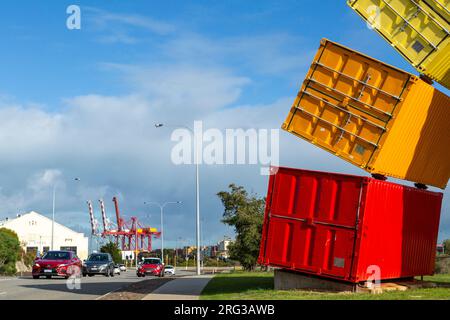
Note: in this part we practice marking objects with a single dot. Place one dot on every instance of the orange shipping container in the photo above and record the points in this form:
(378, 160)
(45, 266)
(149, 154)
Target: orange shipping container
(378, 117)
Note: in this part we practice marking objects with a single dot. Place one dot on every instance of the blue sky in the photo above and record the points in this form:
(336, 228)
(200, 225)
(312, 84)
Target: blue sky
(50, 61)
(83, 102)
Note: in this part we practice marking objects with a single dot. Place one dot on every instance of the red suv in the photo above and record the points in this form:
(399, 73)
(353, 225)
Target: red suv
(57, 263)
(151, 266)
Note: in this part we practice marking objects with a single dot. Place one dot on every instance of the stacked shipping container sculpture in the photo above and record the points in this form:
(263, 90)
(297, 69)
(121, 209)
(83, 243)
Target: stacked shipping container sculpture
(385, 121)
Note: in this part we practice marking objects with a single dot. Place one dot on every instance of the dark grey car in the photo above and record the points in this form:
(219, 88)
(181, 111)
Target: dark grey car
(99, 263)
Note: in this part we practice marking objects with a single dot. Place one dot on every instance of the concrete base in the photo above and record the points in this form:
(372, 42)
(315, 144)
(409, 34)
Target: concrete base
(289, 280)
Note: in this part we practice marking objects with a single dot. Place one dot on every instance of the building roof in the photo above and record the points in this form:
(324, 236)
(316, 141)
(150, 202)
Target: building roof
(5, 223)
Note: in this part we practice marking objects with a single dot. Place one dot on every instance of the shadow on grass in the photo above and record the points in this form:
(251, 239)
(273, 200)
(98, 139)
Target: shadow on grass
(438, 284)
(238, 283)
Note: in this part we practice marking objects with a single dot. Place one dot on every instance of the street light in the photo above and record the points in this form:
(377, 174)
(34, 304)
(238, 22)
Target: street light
(161, 207)
(53, 212)
(197, 191)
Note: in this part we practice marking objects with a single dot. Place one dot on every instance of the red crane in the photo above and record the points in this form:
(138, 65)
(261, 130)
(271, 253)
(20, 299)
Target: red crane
(130, 235)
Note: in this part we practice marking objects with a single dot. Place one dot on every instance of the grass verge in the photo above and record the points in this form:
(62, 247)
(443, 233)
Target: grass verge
(259, 286)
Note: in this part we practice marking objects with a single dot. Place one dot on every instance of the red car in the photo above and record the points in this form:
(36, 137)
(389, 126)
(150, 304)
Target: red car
(151, 266)
(57, 263)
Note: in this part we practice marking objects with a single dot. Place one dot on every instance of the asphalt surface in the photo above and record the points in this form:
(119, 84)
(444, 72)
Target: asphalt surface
(90, 288)
(186, 288)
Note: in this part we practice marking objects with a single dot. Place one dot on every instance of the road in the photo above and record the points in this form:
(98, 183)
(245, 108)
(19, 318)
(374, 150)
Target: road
(91, 288)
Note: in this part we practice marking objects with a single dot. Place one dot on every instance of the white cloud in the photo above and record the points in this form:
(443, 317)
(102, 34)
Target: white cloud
(44, 179)
(268, 54)
(186, 89)
(108, 20)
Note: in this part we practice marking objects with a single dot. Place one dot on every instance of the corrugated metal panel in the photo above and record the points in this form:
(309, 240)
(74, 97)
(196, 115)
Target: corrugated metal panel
(354, 106)
(338, 225)
(401, 223)
(417, 29)
(416, 147)
(312, 221)
(318, 249)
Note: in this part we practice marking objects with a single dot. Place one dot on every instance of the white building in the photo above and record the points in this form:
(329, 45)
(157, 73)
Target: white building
(35, 234)
(222, 248)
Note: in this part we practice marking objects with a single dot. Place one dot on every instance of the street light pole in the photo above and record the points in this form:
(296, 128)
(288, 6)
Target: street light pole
(53, 216)
(161, 207)
(53, 213)
(197, 183)
(197, 191)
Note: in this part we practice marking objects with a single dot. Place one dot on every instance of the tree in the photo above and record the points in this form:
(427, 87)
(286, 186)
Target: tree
(113, 250)
(245, 213)
(447, 246)
(9, 251)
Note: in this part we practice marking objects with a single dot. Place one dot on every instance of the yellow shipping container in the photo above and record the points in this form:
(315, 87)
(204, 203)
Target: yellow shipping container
(418, 29)
(378, 117)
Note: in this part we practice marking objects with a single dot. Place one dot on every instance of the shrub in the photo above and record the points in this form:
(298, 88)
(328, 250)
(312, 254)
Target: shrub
(10, 251)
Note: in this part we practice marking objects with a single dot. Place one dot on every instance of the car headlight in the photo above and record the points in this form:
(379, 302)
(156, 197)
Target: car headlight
(62, 265)
(37, 265)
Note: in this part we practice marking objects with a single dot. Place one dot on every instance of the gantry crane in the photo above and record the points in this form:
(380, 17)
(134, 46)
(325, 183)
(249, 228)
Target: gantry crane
(129, 235)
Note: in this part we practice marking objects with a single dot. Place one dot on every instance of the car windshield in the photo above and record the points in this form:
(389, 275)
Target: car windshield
(98, 257)
(56, 255)
(169, 267)
(152, 261)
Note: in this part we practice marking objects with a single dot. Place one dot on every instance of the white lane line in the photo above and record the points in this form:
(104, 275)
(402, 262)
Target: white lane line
(106, 294)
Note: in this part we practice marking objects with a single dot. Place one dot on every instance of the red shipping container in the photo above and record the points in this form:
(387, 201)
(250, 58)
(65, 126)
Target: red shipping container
(340, 226)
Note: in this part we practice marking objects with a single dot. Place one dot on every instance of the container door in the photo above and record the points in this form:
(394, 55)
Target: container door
(418, 29)
(312, 222)
(346, 102)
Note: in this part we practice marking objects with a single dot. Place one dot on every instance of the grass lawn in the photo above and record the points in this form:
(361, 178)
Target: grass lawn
(259, 286)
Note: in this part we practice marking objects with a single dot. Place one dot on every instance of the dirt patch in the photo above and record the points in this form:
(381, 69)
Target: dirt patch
(138, 290)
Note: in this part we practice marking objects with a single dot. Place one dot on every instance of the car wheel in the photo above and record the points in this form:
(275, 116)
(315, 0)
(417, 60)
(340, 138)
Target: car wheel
(107, 273)
(66, 277)
(84, 274)
(90, 275)
(35, 277)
